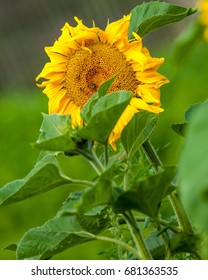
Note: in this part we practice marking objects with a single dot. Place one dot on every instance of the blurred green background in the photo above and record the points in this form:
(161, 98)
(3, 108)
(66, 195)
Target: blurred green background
(26, 27)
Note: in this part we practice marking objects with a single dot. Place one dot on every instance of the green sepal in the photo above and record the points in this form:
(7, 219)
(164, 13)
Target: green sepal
(137, 131)
(101, 122)
(153, 15)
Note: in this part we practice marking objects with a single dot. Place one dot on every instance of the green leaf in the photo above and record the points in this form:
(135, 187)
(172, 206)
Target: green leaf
(138, 130)
(100, 194)
(178, 243)
(64, 143)
(62, 232)
(53, 237)
(54, 126)
(86, 111)
(46, 175)
(194, 168)
(153, 15)
(56, 134)
(11, 247)
(104, 117)
(179, 128)
(191, 111)
(146, 196)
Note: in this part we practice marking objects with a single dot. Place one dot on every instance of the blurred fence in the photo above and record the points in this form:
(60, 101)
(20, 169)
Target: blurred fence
(26, 26)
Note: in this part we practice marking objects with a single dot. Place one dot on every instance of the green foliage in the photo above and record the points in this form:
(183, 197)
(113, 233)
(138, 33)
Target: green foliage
(138, 130)
(45, 176)
(106, 106)
(115, 191)
(153, 15)
(62, 232)
(181, 128)
(101, 194)
(53, 237)
(86, 112)
(194, 167)
(56, 134)
(128, 199)
(146, 195)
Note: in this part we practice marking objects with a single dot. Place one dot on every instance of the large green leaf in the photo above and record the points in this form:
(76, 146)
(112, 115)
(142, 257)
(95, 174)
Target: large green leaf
(153, 15)
(194, 167)
(138, 131)
(54, 125)
(105, 114)
(46, 175)
(100, 194)
(56, 134)
(53, 237)
(62, 232)
(146, 196)
(63, 143)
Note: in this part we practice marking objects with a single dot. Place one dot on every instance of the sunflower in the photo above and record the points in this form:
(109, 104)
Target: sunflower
(203, 7)
(83, 58)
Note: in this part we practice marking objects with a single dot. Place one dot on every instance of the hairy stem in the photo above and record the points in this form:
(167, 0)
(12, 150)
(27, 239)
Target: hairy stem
(137, 236)
(120, 243)
(93, 160)
(83, 183)
(106, 153)
(183, 221)
(173, 197)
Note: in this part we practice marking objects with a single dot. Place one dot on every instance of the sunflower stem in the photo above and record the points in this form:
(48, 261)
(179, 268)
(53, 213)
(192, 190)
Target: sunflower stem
(120, 243)
(106, 153)
(183, 219)
(165, 238)
(92, 158)
(142, 249)
(83, 183)
(96, 164)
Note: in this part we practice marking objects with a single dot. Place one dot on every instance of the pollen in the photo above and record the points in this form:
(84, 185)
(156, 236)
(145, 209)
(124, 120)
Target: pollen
(88, 68)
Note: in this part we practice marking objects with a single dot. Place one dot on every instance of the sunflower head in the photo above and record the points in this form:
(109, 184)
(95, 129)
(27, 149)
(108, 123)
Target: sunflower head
(83, 58)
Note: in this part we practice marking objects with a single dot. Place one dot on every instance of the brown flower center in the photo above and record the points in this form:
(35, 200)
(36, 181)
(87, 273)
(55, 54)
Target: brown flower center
(88, 68)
